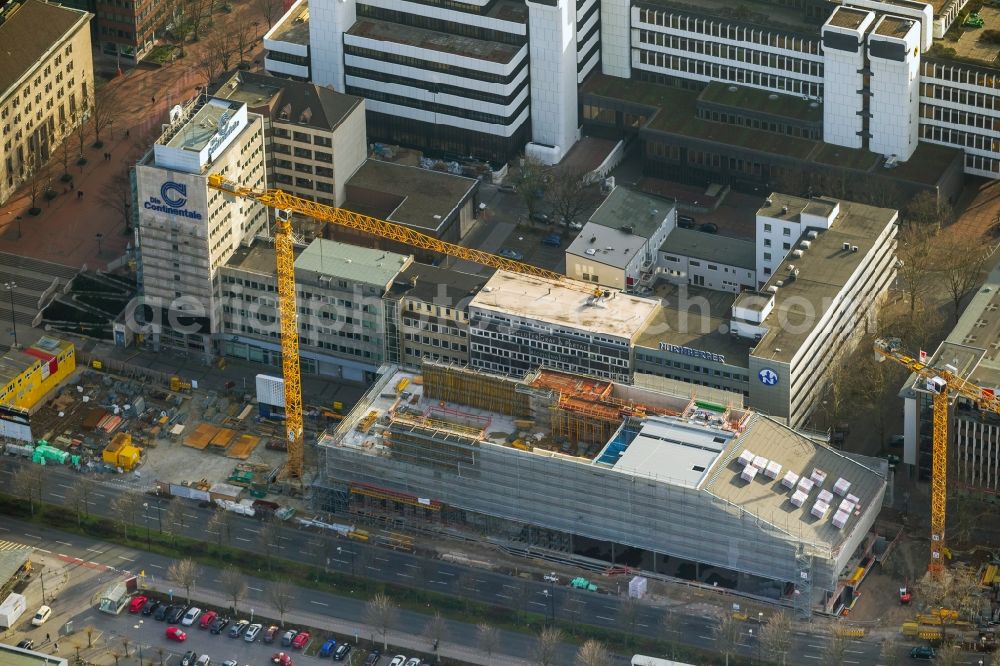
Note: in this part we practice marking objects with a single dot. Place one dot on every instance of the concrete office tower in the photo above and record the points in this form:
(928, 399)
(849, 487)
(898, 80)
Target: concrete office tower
(553, 54)
(844, 121)
(894, 59)
(328, 21)
(616, 38)
(186, 231)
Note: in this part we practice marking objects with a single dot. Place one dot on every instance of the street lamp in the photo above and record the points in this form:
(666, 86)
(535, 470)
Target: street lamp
(145, 516)
(9, 286)
(750, 643)
(99, 238)
(548, 594)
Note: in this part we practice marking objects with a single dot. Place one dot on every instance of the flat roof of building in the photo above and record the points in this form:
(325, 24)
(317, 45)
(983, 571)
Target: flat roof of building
(293, 26)
(606, 245)
(15, 656)
(16, 361)
(698, 318)
(893, 26)
(27, 35)
(566, 303)
(673, 449)
(762, 101)
(352, 263)
(289, 101)
(625, 207)
(769, 500)
(258, 257)
(13, 556)
(711, 247)
(203, 126)
(432, 40)
(824, 270)
(848, 17)
(757, 12)
(432, 284)
(419, 198)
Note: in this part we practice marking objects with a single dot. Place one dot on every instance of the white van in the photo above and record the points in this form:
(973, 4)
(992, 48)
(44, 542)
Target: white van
(43, 614)
(191, 616)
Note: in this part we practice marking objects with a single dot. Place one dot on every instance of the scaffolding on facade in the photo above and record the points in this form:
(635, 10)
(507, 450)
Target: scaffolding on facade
(466, 386)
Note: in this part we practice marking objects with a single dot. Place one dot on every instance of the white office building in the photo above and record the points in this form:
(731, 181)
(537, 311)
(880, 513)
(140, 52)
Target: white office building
(186, 232)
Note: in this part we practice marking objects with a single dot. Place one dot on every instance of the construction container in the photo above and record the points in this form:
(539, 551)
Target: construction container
(120, 452)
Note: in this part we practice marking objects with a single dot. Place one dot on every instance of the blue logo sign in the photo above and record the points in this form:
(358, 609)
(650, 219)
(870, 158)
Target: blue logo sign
(173, 197)
(170, 199)
(768, 377)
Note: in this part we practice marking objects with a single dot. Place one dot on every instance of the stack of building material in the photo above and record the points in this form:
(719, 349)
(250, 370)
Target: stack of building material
(201, 436)
(748, 473)
(841, 487)
(799, 498)
(791, 478)
(819, 509)
(773, 469)
(243, 447)
(223, 438)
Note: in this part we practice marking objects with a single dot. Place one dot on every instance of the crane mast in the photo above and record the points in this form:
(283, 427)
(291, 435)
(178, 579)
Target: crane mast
(286, 204)
(941, 384)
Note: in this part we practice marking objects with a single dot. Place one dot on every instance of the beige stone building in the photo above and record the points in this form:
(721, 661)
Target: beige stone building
(46, 76)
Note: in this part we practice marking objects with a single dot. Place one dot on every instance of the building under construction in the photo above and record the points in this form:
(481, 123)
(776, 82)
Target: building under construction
(562, 465)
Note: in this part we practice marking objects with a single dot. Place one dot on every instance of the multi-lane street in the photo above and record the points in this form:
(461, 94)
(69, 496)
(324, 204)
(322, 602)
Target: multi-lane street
(349, 557)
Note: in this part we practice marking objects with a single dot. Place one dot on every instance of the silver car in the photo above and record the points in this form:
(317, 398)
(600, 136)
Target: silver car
(252, 632)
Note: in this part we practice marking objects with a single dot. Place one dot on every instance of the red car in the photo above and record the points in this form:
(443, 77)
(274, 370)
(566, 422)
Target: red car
(207, 618)
(176, 634)
(301, 640)
(137, 603)
(281, 658)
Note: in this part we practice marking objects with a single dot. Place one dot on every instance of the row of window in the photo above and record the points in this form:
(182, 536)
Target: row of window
(736, 33)
(433, 66)
(959, 96)
(434, 328)
(957, 117)
(478, 116)
(778, 127)
(440, 25)
(959, 138)
(442, 88)
(739, 54)
(541, 358)
(434, 342)
(969, 77)
(717, 72)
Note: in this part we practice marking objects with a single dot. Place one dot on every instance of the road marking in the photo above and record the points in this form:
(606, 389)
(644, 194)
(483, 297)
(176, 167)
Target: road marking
(96, 564)
(638, 623)
(42, 550)
(62, 497)
(190, 515)
(439, 582)
(403, 575)
(63, 485)
(854, 651)
(95, 550)
(509, 587)
(156, 566)
(216, 580)
(848, 661)
(127, 559)
(284, 538)
(250, 530)
(810, 656)
(504, 596)
(381, 559)
(707, 638)
(255, 589)
(32, 536)
(606, 619)
(334, 559)
(319, 603)
(371, 568)
(64, 543)
(537, 603)
(817, 647)
(446, 573)
(411, 566)
(4, 529)
(99, 494)
(242, 539)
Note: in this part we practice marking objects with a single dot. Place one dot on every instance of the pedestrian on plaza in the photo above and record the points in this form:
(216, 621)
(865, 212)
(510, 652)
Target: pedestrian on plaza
(55, 647)
(79, 194)
(126, 133)
(153, 98)
(47, 638)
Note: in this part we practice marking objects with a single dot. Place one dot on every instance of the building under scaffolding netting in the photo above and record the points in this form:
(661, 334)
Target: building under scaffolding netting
(563, 465)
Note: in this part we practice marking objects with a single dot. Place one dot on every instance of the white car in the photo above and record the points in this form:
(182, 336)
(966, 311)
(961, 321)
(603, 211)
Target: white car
(252, 632)
(203, 660)
(413, 661)
(398, 660)
(43, 614)
(191, 616)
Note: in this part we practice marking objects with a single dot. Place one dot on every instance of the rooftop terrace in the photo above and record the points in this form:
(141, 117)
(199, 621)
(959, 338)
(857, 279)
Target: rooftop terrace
(847, 17)
(201, 128)
(294, 27)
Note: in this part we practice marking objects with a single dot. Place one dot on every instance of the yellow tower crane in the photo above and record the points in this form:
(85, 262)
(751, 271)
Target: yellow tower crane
(942, 384)
(285, 260)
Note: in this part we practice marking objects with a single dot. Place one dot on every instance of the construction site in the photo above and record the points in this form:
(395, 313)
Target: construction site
(571, 468)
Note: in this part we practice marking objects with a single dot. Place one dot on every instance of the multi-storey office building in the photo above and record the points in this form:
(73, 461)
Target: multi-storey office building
(128, 30)
(345, 328)
(286, 44)
(315, 136)
(777, 345)
(187, 232)
(46, 81)
(520, 322)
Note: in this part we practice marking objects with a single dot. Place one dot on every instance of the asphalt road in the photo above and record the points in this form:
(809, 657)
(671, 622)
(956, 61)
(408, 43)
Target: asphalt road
(372, 562)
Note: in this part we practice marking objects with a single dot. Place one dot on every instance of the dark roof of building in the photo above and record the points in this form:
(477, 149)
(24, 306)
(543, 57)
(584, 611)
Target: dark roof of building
(285, 100)
(432, 284)
(30, 31)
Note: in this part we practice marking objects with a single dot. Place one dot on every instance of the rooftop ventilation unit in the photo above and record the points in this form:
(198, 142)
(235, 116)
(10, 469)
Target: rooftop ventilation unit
(772, 289)
(796, 253)
(842, 486)
(847, 247)
(768, 202)
(784, 210)
(854, 248)
(790, 479)
(818, 476)
(805, 245)
(748, 473)
(813, 234)
(819, 509)
(840, 519)
(825, 496)
(799, 498)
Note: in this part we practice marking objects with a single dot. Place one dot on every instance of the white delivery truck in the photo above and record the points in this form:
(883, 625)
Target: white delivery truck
(11, 609)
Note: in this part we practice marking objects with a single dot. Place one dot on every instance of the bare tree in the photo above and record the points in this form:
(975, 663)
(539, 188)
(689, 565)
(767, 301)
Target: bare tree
(210, 67)
(593, 653)
(835, 650)
(281, 594)
(106, 107)
(126, 508)
(381, 612)
(36, 173)
(234, 584)
(727, 635)
(532, 183)
(568, 194)
(270, 10)
(547, 646)
(81, 118)
(78, 498)
(913, 249)
(925, 209)
(174, 520)
(948, 656)
(185, 574)
(196, 11)
(995, 661)
(28, 483)
(628, 615)
(268, 536)
(116, 195)
(125, 643)
(960, 261)
(436, 630)
(776, 636)
(65, 146)
(221, 523)
(488, 639)
(222, 47)
(243, 38)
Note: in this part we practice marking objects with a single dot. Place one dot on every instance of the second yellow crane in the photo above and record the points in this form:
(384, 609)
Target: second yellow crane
(941, 384)
(285, 260)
